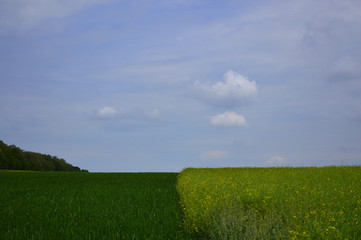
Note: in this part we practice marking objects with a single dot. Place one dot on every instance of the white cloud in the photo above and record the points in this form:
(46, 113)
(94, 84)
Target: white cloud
(235, 84)
(213, 154)
(234, 90)
(106, 112)
(229, 119)
(276, 161)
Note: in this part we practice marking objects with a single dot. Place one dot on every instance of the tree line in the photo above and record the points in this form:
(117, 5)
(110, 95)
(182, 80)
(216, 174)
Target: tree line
(14, 158)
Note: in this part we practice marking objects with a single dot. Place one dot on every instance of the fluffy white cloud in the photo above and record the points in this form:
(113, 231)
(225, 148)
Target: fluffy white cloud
(234, 84)
(234, 90)
(276, 161)
(228, 119)
(106, 112)
(213, 154)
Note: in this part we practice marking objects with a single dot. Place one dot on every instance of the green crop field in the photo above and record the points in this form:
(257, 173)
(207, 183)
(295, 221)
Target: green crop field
(272, 203)
(228, 203)
(53, 205)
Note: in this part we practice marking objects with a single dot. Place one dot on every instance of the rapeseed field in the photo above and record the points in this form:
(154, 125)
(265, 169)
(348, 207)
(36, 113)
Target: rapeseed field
(272, 203)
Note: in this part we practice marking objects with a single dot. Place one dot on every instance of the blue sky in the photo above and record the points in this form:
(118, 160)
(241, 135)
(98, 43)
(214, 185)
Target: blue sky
(164, 85)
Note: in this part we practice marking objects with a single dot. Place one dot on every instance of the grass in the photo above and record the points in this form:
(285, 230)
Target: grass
(272, 203)
(51, 205)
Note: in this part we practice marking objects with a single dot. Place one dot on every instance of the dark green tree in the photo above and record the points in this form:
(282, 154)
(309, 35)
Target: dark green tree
(14, 158)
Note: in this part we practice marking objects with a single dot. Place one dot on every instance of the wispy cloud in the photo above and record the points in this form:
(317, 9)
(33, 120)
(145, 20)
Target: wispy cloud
(133, 114)
(345, 69)
(22, 15)
(235, 90)
(155, 113)
(106, 112)
(229, 119)
(213, 155)
(276, 161)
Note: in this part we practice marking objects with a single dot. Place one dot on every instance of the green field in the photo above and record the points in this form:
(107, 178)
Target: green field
(229, 203)
(272, 203)
(53, 205)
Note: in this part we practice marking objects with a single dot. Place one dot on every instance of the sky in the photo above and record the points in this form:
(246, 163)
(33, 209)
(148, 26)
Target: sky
(162, 85)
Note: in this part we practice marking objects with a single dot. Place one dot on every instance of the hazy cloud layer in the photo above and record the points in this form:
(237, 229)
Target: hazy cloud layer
(145, 86)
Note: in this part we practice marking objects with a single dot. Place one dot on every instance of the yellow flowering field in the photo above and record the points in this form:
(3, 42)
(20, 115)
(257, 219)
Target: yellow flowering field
(272, 203)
